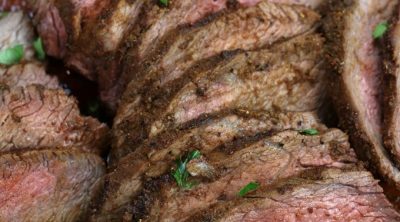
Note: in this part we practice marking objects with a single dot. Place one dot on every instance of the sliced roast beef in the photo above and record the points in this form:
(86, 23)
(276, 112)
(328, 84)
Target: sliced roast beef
(224, 173)
(48, 185)
(26, 74)
(16, 29)
(286, 77)
(143, 38)
(323, 195)
(392, 96)
(224, 132)
(34, 117)
(244, 28)
(357, 88)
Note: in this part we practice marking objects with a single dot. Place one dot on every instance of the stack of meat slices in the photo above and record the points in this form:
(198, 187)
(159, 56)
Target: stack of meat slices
(49, 154)
(241, 89)
(112, 42)
(218, 118)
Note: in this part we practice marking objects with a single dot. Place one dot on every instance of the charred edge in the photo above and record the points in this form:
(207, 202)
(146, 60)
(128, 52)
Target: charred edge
(333, 31)
(114, 61)
(389, 65)
(239, 143)
(140, 207)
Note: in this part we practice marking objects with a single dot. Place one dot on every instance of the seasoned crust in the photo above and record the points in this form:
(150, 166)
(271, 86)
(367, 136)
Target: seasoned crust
(245, 80)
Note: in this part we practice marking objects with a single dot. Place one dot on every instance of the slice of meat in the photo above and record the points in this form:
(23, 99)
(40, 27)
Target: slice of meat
(392, 97)
(286, 77)
(26, 74)
(267, 161)
(188, 12)
(357, 90)
(263, 25)
(327, 195)
(33, 117)
(16, 29)
(48, 185)
(160, 21)
(156, 156)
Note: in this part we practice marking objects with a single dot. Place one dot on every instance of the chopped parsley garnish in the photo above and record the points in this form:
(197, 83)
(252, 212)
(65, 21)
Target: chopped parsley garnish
(11, 56)
(38, 46)
(380, 30)
(248, 188)
(309, 132)
(181, 174)
(164, 2)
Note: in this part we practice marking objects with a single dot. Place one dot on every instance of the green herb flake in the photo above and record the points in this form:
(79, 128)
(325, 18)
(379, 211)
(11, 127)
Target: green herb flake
(164, 2)
(180, 174)
(380, 30)
(248, 188)
(38, 46)
(309, 132)
(11, 56)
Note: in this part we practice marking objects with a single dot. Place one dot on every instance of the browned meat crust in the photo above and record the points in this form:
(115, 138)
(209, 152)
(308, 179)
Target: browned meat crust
(246, 80)
(392, 96)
